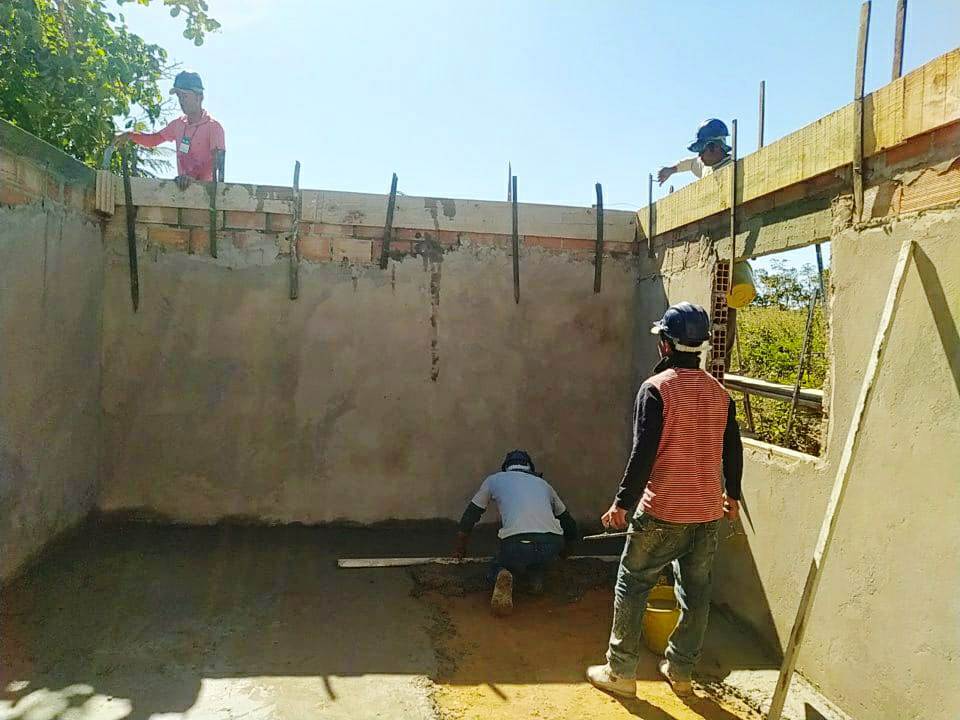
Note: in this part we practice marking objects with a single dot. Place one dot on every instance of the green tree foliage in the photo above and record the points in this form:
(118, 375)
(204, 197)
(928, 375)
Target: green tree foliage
(770, 340)
(786, 287)
(68, 67)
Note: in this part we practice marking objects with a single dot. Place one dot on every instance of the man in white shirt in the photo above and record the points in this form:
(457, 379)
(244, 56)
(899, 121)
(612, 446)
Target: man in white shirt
(536, 526)
(711, 148)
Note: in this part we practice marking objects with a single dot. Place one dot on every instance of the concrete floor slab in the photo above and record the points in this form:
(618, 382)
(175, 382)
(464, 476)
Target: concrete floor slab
(149, 622)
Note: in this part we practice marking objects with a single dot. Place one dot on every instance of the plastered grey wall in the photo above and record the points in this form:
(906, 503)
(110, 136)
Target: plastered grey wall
(51, 287)
(377, 394)
(883, 639)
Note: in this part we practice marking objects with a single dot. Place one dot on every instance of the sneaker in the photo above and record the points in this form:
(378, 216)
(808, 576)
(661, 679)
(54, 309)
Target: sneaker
(601, 676)
(683, 688)
(501, 602)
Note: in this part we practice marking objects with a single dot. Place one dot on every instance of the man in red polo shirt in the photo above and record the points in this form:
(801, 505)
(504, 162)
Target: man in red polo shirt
(683, 476)
(198, 136)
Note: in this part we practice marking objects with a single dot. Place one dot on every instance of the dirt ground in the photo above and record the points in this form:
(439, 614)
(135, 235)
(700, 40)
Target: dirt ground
(531, 664)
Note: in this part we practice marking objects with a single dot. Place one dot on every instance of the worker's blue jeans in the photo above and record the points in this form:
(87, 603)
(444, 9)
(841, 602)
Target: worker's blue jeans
(654, 544)
(526, 556)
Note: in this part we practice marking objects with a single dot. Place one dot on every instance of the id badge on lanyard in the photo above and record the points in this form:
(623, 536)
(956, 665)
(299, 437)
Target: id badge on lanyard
(184, 146)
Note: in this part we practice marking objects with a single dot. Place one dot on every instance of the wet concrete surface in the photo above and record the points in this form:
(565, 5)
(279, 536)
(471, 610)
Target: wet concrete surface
(155, 622)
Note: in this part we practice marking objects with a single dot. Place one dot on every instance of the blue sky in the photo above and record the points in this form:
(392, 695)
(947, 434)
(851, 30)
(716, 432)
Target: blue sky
(572, 93)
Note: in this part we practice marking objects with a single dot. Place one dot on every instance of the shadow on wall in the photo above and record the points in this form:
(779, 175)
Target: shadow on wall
(148, 615)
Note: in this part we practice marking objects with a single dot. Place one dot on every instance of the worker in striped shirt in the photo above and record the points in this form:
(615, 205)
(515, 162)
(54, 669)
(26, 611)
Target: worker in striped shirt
(683, 476)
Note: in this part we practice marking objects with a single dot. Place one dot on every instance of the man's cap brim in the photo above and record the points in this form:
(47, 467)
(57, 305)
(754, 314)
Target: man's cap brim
(175, 90)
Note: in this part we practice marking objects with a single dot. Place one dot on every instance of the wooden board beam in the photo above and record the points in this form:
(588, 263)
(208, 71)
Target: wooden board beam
(361, 563)
(918, 102)
(806, 397)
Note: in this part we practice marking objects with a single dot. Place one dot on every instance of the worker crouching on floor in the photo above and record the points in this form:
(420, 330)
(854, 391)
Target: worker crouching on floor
(536, 527)
(686, 450)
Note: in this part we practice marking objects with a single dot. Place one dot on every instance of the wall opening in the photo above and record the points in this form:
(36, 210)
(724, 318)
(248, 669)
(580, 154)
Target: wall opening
(777, 341)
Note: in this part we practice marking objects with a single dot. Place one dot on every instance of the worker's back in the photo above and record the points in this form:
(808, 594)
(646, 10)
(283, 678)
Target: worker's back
(685, 483)
(527, 503)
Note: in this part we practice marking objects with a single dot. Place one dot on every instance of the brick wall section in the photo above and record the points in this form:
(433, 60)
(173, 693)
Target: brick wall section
(187, 230)
(24, 181)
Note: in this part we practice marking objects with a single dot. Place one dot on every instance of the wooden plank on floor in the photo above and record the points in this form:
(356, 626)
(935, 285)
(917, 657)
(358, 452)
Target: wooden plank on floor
(357, 563)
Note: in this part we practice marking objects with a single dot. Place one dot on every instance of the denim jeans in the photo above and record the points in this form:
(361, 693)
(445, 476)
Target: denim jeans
(526, 556)
(654, 544)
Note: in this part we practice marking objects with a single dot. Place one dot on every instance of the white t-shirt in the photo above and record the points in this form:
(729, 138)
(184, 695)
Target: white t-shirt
(526, 502)
(697, 166)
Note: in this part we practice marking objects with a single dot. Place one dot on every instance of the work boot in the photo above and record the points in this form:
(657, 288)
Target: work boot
(501, 602)
(683, 688)
(602, 677)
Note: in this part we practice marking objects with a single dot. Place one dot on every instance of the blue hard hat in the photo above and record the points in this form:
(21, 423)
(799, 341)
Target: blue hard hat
(686, 324)
(519, 460)
(712, 130)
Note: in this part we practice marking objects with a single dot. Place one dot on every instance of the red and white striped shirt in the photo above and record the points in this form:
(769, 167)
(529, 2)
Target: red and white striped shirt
(686, 480)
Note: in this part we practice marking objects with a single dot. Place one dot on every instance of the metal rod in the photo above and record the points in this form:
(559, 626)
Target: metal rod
(857, 161)
(131, 232)
(733, 197)
(828, 526)
(516, 241)
(747, 409)
(606, 535)
(509, 181)
(763, 112)
(823, 290)
(598, 258)
(900, 30)
(388, 224)
(295, 235)
(803, 361)
(650, 251)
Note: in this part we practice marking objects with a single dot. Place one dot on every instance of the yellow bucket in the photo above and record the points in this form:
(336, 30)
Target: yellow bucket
(743, 289)
(660, 618)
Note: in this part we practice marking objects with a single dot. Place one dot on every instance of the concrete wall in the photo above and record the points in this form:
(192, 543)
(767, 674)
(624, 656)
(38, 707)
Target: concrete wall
(377, 394)
(51, 282)
(883, 639)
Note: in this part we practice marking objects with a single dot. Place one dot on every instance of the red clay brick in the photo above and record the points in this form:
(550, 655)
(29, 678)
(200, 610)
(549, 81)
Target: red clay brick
(153, 214)
(326, 230)
(570, 245)
(29, 177)
(370, 232)
(550, 243)
(619, 247)
(279, 223)
(401, 246)
(13, 196)
(243, 220)
(354, 249)
(910, 150)
(193, 217)
(199, 241)
(447, 238)
(408, 234)
(8, 167)
(948, 136)
(486, 239)
(53, 188)
(315, 248)
(178, 238)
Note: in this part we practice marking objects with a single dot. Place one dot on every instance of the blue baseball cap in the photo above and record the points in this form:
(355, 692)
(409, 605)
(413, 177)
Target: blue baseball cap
(686, 325)
(189, 81)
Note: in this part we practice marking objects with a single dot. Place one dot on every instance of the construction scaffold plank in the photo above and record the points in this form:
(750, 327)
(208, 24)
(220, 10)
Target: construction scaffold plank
(918, 102)
(360, 563)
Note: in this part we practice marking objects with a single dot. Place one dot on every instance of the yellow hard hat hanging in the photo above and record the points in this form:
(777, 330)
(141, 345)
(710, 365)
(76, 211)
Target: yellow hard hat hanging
(742, 287)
